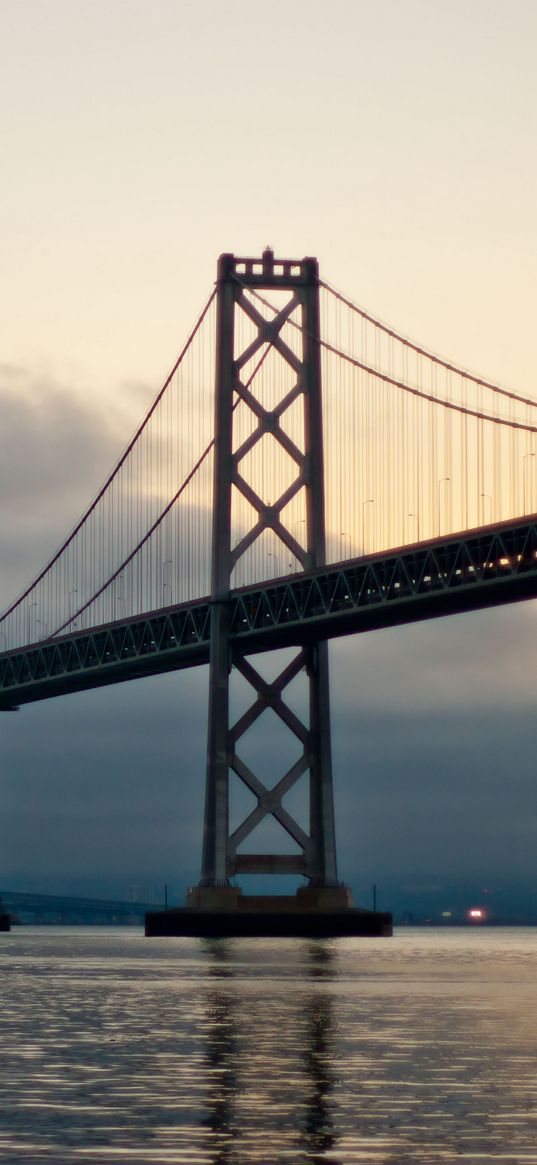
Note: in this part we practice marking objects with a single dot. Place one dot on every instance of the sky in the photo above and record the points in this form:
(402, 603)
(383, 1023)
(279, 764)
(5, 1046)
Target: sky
(396, 142)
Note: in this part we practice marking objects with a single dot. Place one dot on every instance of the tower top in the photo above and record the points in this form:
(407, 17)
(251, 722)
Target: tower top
(268, 271)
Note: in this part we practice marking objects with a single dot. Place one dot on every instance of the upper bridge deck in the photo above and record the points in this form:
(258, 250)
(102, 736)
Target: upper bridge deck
(479, 568)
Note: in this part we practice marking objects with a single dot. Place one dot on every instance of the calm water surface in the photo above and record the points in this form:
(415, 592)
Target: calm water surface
(116, 1048)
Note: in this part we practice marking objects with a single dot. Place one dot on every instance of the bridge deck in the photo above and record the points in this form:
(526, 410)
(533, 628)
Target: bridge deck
(460, 572)
(32, 908)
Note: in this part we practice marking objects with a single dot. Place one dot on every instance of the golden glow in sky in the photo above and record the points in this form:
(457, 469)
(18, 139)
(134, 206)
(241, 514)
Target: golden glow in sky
(395, 141)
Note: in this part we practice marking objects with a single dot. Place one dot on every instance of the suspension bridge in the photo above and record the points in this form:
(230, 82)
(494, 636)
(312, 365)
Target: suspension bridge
(305, 472)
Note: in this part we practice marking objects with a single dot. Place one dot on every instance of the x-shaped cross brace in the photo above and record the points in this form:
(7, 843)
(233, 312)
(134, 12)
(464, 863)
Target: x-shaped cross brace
(269, 801)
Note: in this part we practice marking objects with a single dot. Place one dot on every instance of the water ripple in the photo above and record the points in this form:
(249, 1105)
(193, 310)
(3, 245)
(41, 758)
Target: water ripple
(415, 1051)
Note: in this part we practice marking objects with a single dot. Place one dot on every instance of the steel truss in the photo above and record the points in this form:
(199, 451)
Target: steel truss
(461, 572)
(317, 850)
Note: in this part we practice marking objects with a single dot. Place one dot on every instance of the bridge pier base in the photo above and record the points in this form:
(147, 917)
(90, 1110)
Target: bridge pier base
(314, 912)
(225, 912)
(306, 898)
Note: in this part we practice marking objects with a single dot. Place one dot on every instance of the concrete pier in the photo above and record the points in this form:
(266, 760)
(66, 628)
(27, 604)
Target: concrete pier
(224, 912)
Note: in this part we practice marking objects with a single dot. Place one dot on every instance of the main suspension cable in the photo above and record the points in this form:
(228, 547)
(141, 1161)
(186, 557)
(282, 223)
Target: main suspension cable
(375, 372)
(108, 482)
(158, 521)
(531, 402)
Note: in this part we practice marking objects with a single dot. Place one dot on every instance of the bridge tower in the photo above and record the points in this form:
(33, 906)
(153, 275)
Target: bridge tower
(297, 305)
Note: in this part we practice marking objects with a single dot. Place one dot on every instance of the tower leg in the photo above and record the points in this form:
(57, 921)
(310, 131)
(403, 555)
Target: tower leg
(214, 870)
(322, 828)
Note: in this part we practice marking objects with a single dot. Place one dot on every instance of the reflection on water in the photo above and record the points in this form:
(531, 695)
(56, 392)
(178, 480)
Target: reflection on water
(421, 1049)
(232, 1068)
(319, 1060)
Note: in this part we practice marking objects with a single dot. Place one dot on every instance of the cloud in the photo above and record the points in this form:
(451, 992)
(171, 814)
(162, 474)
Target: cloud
(109, 782)
(432, 724)
(51, 439)
(436, 793)
(55, 450)
(475, 660)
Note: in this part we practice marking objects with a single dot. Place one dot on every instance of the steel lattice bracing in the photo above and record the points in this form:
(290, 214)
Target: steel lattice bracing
(415, 450)
(481, 568)
(295, 376)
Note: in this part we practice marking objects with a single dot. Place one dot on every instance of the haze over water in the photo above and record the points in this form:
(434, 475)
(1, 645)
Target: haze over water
(117, 1048)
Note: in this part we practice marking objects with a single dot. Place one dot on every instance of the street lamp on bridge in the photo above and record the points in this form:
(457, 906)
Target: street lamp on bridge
(488, 497)
(168, 562)
(42, 623)
(417, 517)
(72, 604)
(275, 557)
(31, 606)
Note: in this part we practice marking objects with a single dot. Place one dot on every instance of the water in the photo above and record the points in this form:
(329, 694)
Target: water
(116, 1048)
